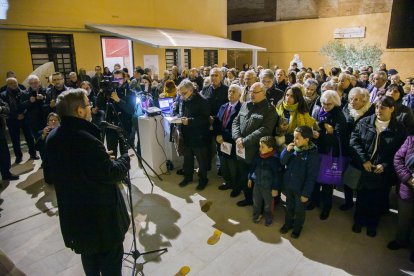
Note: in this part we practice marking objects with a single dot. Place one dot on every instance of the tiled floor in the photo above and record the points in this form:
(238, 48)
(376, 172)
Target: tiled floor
(171, 217)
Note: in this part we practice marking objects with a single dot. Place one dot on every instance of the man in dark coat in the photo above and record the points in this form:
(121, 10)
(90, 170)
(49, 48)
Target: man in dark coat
(35, 96)
(53, 92)
(17, 119)
(256, 118)
(216, 95)
(222, 131)
(4, 149)
(92, 213)
(195, 113)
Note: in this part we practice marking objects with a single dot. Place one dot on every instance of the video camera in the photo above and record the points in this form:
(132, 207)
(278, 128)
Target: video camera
(108, 86)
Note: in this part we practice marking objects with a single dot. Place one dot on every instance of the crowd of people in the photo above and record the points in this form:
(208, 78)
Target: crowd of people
(298, 132)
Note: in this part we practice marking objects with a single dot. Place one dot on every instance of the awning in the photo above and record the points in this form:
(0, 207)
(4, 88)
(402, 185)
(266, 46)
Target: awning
(171, 38)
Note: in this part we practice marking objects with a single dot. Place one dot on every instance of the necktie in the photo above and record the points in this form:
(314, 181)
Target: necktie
(226, 116)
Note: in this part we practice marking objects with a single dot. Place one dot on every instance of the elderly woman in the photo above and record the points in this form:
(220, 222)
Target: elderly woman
(310, 94)
(332, 124)
(373, 143)
(403, 114)
(222, 130)
(230, 76)
(273, 94)
(358, 107)
(293, 112)
(404, 166)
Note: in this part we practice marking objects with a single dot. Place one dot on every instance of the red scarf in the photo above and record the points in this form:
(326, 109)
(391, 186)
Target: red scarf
(267, 155)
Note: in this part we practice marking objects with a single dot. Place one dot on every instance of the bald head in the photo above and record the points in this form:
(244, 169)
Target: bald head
(257, 92)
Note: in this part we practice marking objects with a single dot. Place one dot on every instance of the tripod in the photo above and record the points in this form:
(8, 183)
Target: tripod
(135, 252)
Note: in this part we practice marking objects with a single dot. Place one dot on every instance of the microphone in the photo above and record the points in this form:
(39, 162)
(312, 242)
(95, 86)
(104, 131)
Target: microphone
(105, 124)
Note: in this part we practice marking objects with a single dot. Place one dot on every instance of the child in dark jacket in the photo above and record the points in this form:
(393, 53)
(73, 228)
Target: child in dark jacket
(266, 173)
(302, 166)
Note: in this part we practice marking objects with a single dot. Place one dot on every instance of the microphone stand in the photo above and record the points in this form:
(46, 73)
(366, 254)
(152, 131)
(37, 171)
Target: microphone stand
(135, 252)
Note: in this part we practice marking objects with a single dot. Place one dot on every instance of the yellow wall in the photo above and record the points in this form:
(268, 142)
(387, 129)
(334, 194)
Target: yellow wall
(207, 16)
(306, 37)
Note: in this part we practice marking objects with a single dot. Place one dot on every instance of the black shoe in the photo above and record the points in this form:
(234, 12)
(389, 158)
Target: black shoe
(11, 177)
(296, 233)
(224, 187)
(371, 232)
(394, 245)
(356, 228)
(310, 206)
(412, 256)
(285, 228)
(34, 157)
(244, 203)
(201, 185)
(268, 221)
(185, 182)
(235, 193)
(346, 207)
(324, 215)
(18, 160)
(180, 172)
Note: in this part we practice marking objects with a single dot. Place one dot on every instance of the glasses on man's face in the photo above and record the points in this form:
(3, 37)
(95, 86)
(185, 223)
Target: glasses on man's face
(255, 92)
(59, 79)
(53, 120)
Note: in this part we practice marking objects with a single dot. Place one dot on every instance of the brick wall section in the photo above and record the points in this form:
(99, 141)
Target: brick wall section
(242, 11)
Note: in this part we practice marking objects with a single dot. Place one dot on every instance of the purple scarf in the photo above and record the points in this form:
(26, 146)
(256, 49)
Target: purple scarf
(323, 115)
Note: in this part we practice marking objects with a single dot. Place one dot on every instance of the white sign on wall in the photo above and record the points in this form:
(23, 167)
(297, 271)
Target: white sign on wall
(151, 61)
(352, 32)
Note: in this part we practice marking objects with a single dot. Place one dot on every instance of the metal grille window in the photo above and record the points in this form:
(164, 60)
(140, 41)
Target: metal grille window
(53, 47)
(171, 58)
(210, 57)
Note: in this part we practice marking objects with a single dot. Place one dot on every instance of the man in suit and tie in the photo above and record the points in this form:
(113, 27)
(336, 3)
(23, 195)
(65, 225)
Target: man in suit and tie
(378, 87)
(222, 131)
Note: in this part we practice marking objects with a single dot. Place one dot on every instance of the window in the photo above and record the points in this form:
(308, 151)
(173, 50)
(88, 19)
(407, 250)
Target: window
(171, 58)
(57, 48)
(210, 57)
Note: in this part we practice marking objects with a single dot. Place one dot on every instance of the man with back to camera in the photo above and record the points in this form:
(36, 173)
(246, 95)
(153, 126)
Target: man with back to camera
(92, 213)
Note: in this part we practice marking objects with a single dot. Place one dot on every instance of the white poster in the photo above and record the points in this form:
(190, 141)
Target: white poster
(151, 61)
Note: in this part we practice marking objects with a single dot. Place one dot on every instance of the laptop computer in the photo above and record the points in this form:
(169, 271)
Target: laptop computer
(166, 105)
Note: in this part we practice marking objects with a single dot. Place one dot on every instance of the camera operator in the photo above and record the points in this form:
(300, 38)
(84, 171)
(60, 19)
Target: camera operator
(36, 96)
(118, 102)
(92, 212)
(58, 86)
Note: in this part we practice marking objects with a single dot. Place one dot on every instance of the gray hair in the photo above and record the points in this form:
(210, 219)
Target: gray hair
(217, 70)
(236, 87)
(67, 103)
(333, 95)
(329, 85)
(251, 72)
(381, 74)
(359, 91)
(187, 84)
(33, 77)
(72, 74)
(267, 73)
(310, 82)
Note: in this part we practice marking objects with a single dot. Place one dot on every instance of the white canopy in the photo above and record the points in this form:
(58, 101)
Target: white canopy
(175, 39)
(171, 38)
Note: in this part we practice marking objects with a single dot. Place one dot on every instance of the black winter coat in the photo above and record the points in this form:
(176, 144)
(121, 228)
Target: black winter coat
(92, 213)
(326, 142)
(362, 146)
(197, 110)
(216, 97)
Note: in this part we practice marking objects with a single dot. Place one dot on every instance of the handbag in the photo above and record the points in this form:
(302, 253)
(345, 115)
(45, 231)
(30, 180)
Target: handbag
(351, 177)
(331, 168)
